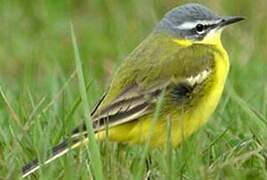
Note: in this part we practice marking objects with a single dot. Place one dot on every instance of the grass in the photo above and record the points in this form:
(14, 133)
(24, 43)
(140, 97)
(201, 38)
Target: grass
(40, 93)
(93, 146)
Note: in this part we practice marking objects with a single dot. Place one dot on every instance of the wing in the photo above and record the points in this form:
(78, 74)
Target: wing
(131, 104)
(158, 63)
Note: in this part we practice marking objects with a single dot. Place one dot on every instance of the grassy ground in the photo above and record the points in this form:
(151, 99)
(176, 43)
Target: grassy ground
(39, 89)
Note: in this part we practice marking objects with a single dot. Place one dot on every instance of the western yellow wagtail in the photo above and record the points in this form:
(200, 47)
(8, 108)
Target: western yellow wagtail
(184, 62)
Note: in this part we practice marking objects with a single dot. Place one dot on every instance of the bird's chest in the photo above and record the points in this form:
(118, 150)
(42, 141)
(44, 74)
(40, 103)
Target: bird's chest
(204, 102)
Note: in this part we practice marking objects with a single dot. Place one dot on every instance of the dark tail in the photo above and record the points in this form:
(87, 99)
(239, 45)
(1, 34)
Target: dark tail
(79, 136)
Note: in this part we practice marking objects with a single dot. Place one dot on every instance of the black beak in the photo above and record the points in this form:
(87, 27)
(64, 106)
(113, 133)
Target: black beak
(230, 20)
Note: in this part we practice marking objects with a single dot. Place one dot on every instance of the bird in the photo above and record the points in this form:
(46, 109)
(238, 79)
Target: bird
(181, 65)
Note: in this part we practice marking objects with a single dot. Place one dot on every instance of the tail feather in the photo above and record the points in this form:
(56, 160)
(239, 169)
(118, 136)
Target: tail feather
(79, 136)
(57, 152)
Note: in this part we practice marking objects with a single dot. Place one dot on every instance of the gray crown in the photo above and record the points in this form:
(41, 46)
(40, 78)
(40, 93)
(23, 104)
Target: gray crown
(185, 13)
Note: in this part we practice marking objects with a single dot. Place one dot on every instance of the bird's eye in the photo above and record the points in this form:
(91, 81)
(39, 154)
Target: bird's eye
(199, 28)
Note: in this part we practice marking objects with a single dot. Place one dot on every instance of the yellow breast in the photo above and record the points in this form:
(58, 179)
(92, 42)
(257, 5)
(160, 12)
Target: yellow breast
(201, 113)
(183, 125)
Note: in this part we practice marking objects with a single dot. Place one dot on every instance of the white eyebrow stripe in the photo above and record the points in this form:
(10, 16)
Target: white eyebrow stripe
(191, 25)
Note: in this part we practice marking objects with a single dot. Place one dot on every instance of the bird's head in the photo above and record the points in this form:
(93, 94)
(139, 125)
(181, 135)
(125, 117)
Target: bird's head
(194, 23)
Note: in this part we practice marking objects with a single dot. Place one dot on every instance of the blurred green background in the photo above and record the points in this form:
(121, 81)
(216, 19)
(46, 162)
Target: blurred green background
(39, 88)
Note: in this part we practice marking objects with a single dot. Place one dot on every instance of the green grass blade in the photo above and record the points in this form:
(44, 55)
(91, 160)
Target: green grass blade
(93, 146)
